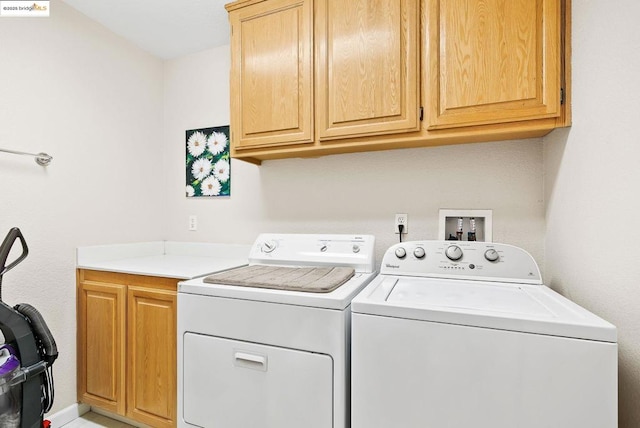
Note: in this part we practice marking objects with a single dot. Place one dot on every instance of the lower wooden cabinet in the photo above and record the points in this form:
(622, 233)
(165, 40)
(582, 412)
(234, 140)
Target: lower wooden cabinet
(101, 345)
(127, 345)
(151, 362)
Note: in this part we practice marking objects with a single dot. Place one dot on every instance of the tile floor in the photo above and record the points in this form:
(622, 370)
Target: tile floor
(94, 420)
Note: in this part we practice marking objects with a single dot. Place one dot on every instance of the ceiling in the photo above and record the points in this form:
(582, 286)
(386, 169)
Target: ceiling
(165, 28)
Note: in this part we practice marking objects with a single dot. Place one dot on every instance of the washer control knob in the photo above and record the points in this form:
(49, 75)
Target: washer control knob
(419, 253)
(491, 255)
(401, 253)
(453, 252)
(268, 246)
(324, 248)
(356, 248)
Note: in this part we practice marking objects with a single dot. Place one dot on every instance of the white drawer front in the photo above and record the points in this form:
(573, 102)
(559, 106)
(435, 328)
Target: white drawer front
(235, 384)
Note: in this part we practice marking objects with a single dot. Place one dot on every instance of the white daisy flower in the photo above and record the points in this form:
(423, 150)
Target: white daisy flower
(217, 142)
(190, 191)
(210, 186)
(221, 170)
(201, 168)
(197, 143)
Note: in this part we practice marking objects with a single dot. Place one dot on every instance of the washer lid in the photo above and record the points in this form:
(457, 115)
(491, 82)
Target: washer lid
(456, 295)
(515, 307)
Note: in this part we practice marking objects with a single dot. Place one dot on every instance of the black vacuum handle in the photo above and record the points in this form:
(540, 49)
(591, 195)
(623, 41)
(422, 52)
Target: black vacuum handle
(5, 249)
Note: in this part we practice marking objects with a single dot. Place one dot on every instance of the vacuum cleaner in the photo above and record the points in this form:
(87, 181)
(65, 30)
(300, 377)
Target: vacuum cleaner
(26, 357)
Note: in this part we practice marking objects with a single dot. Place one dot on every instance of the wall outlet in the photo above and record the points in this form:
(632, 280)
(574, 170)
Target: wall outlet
(193, 222)
(401, 219)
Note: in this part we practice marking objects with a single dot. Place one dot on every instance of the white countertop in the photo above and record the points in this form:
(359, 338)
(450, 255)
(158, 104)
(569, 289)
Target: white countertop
(182, 260)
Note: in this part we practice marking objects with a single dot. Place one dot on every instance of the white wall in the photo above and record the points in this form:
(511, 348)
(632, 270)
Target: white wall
(592, 184)
(355, 193)
(73, 89)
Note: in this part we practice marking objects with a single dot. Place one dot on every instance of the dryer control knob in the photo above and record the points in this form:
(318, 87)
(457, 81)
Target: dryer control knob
(268, 246)
(453, 252)
(401, 253)
(419, 253)
(491, 255)
(356, 248)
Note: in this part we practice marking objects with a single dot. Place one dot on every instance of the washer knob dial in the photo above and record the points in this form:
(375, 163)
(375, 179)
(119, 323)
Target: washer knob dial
(419, 253)
(401, 253)
(268, 246)
(453, 252)
(356, 248)
(491, 255)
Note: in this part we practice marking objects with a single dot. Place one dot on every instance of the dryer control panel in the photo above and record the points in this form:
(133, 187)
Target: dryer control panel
(486, 261)
(356, 251)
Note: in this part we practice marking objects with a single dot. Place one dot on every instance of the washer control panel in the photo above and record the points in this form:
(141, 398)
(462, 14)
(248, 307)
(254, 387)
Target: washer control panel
(485, 261)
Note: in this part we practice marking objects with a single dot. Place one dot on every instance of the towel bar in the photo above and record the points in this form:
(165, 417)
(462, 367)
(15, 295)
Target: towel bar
(41, 158)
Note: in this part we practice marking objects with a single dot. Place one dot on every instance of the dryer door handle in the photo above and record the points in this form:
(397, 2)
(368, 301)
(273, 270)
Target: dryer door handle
(251, 361)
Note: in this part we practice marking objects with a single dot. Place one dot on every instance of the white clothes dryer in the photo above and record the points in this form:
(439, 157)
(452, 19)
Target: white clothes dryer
(464, 334)
(250, 355)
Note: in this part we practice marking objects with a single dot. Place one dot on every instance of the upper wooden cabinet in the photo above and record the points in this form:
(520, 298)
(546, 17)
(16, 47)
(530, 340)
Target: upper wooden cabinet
(367, 67)
(271, 74)
(317, 77)
(493, 61)
(367, 74)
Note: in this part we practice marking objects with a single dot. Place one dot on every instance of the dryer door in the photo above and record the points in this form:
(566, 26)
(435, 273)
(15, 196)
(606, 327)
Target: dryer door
(235, 384)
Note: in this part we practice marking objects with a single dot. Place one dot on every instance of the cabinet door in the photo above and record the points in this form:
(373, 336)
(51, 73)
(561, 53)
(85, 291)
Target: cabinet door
(367, 67)
(152, 342)
(492, 61)
(271, 74)
(101, 345)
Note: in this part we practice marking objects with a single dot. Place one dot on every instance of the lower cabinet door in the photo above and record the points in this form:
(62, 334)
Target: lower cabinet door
(101, 345)
(235, 384)
(152, 347)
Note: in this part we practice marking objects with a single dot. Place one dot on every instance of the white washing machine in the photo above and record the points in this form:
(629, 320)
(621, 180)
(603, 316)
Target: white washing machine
(464, 334)
(258, 357)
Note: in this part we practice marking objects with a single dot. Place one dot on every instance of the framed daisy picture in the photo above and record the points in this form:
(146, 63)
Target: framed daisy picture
(208, 162)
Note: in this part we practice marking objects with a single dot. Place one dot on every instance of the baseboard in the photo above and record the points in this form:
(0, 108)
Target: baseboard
(117, 418)
(67, 415)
